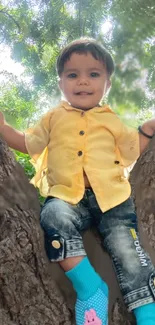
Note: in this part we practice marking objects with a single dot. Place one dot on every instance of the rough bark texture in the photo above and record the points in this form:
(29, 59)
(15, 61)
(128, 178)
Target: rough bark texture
(34, 291)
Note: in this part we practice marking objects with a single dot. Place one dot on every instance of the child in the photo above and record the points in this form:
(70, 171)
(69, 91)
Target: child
(80, 150)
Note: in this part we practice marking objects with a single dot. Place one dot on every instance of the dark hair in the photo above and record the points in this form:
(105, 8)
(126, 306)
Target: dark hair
(85, 45)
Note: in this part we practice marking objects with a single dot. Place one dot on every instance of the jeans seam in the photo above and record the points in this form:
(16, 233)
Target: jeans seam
(138, 303)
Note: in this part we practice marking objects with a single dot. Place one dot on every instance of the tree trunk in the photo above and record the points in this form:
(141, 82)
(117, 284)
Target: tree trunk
(34, 291)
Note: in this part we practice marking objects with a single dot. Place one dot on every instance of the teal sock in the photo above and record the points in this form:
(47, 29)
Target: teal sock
(145, 315)
(85, 280)
(92, 295)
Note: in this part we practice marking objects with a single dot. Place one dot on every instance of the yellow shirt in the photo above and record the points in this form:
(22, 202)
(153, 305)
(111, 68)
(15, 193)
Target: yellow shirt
(68, 141)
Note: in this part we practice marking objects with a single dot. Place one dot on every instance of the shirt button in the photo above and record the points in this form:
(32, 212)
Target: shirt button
(82, 113)
(80, 153)
(81, 132)
(55, 244)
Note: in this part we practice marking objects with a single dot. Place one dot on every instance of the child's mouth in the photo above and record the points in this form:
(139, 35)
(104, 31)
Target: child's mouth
(83, 93)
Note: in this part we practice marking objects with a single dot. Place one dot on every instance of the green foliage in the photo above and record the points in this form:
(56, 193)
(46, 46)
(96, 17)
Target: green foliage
(18, 105)
(24, 160)
(36, 30)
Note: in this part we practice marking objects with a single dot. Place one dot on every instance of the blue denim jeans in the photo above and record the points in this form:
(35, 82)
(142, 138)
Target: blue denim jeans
(64, 223)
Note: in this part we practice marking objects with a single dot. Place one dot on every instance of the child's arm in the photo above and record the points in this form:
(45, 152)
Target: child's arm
(146, 132)
(14, 138)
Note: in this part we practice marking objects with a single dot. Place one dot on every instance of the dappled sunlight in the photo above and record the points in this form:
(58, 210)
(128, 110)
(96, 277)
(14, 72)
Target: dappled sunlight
(33, 32)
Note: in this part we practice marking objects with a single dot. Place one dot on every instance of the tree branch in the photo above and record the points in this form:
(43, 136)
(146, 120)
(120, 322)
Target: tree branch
(11, 17)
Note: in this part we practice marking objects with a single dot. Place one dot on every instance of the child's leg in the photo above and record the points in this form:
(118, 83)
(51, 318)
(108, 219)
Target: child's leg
(92, 292)
(62, 224)
(134, 269)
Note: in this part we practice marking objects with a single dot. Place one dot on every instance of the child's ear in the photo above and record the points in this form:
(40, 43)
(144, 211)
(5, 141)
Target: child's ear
(108, 84)
(60, 84)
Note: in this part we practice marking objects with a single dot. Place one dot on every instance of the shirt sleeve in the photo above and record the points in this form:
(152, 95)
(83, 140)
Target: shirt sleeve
(37, 137)
(127, 142)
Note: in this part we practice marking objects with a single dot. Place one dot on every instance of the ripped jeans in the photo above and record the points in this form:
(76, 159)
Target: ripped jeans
(63, 224)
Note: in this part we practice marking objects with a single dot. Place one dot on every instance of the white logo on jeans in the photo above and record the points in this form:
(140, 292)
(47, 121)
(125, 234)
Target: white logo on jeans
(138, 248)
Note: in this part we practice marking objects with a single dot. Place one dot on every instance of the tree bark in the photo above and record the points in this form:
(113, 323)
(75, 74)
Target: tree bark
(34, 291)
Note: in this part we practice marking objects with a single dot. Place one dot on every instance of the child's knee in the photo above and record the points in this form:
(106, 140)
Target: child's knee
(56, 214)
(61, 236)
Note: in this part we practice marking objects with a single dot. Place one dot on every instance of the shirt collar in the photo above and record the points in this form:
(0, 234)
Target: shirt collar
(98, 109)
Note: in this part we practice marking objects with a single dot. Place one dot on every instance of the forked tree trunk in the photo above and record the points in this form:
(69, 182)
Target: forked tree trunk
(32, 290)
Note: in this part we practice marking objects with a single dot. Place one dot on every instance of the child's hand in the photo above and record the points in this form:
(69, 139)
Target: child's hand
(2, 120)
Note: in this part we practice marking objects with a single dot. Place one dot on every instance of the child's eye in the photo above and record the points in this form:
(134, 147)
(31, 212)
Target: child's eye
(95, 74)
(72, 75)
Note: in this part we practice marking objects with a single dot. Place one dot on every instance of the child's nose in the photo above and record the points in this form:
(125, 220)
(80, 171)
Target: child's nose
(83, 81)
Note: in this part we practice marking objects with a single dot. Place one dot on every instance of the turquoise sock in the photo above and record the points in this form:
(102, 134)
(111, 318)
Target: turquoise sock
(92, 294)
(145, 315)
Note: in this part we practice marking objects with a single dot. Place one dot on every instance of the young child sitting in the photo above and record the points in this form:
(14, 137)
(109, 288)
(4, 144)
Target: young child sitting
(80, 150)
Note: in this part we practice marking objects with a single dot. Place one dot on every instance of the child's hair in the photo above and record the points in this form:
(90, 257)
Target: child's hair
(85, 45)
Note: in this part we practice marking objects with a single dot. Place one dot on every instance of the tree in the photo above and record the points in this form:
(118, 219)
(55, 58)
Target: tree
(33, 291)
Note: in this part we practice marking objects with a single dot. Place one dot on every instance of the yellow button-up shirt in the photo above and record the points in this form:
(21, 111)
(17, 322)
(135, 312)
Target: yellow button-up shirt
(68, 141)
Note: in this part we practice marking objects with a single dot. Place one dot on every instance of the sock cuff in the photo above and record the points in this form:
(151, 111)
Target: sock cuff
(145, 314)
(84, 278)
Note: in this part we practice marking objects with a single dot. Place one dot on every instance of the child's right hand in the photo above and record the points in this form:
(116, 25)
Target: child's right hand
(2, 120)
(14, 138)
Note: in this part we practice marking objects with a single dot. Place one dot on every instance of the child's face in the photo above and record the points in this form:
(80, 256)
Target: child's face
(84, 81)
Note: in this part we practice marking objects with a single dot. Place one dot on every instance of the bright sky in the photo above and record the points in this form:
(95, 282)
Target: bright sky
(107, 27)
(7, 64)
